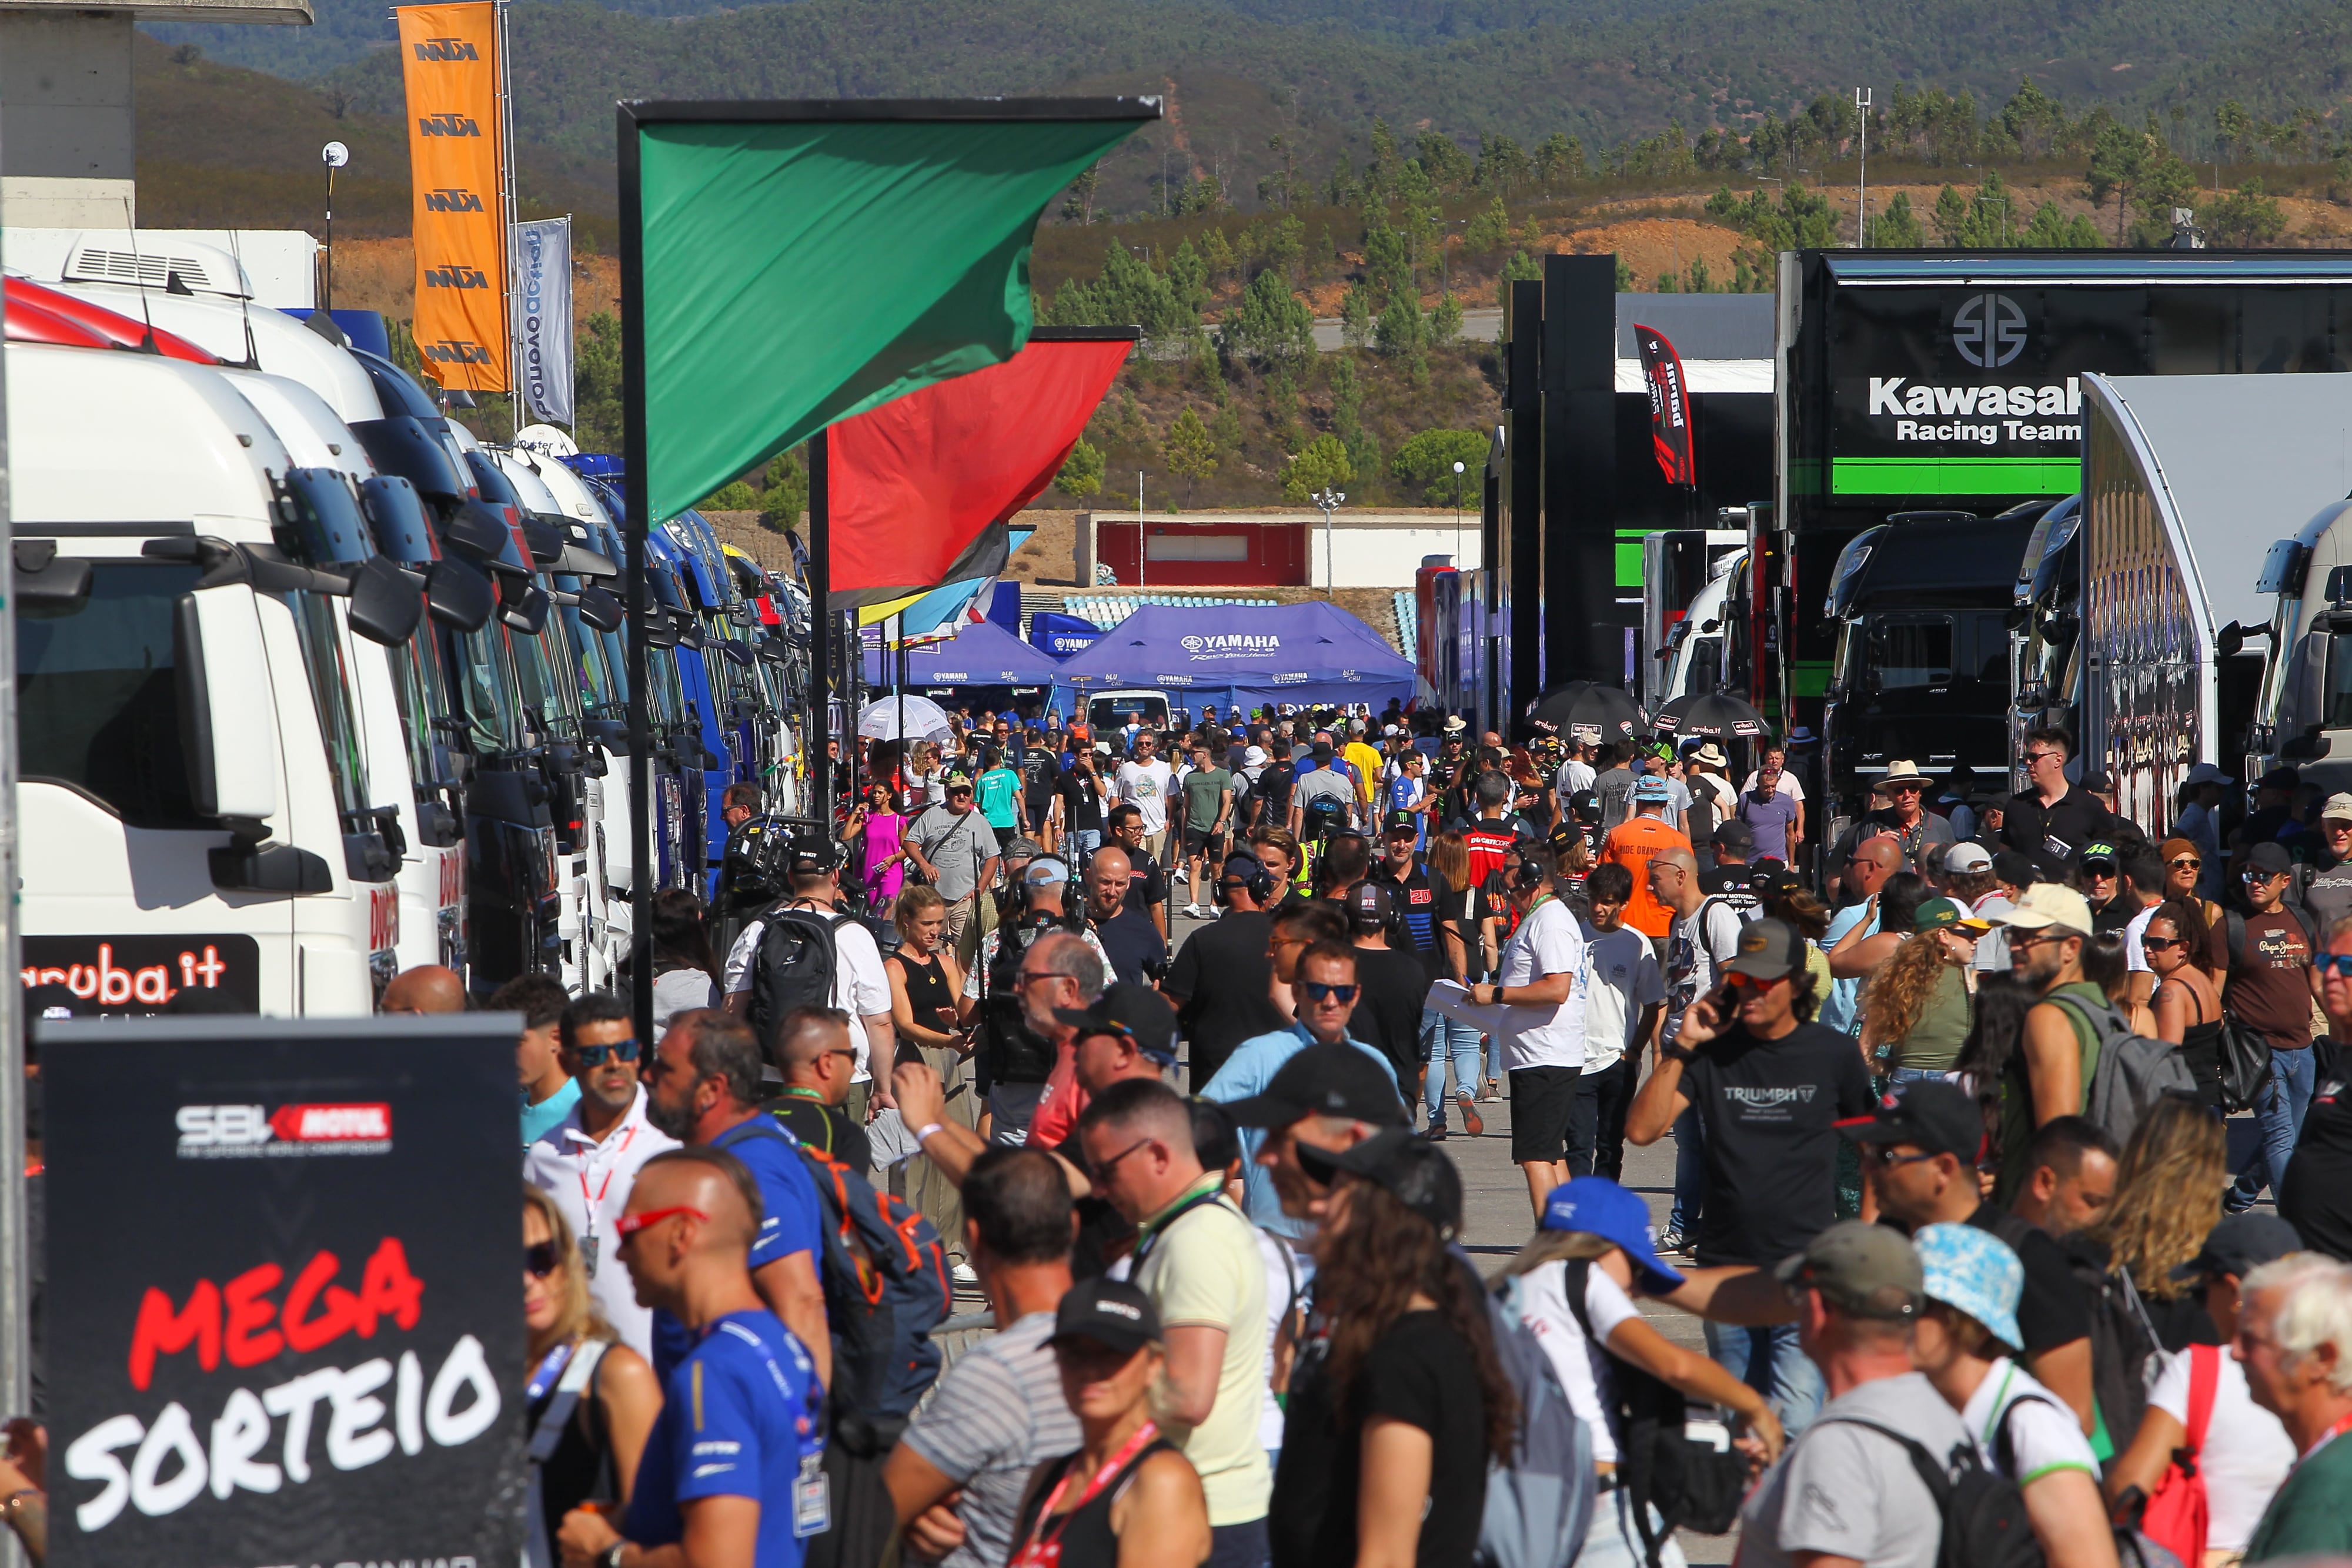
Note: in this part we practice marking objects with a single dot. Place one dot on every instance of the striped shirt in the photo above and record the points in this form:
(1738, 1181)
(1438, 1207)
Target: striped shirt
(996, 1416)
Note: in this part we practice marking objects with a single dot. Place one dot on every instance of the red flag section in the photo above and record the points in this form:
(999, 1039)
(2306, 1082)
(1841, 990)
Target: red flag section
(916, 481)
(1670, 425)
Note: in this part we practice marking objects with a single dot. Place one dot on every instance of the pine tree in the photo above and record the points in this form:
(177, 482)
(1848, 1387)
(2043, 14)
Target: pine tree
(1190, 451)
(1082, 471)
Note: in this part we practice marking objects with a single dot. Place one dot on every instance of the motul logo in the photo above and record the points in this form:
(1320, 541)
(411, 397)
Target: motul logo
(331, 1123)
(449, 352)
(452, 201)
(446, 125)
(455, 278)
(446, 49)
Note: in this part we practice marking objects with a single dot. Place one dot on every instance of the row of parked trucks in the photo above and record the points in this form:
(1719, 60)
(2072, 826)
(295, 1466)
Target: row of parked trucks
(313, 685)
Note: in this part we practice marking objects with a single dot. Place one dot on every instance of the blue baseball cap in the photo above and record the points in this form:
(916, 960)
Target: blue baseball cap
(1974, 1272)
(1652, 787)
(1598, 1206)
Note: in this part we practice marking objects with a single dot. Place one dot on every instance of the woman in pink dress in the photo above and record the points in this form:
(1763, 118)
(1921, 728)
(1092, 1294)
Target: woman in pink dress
(885, 857)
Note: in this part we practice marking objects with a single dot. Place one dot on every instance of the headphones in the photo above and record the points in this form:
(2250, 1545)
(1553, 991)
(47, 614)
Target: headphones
(1258, 884)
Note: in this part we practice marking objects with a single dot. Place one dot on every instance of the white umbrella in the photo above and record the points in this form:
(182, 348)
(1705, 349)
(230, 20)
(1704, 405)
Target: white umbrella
(923, 719)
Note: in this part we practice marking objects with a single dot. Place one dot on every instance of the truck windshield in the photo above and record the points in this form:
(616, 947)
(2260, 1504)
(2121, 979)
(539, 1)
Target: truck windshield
(327, 660)
(482, 679)
(96, 707)
(416, 685)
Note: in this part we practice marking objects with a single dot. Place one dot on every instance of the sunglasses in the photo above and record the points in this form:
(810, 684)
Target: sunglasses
(1104, 1169)
(2166, 944)
(2191, 861)
(1884, 1158)
(2019, 941)
(2253, 875)
(628, 1224)
(594, 1055)
(1316, 991)
(540, 1259)
(2337, 964)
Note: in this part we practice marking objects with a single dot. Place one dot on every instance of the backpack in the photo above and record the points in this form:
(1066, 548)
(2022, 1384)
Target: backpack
(1983, 1511)
(1539, 1506)
(2179, 1516)
(2126, 1072)
(794, 967)
(2125, 1354)
(887, 1287)
(1689, 1481)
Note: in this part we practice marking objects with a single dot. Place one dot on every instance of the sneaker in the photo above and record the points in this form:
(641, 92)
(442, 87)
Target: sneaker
(1436, 1134)
(1494, 1095)
(964, 1275)
(1192, 910)
(1673, 1241)
(1176, 873)
(1472, 1123)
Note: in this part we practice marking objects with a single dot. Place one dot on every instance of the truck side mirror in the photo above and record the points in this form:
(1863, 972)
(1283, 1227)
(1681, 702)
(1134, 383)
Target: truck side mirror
(385, 606)
(599, 609)
(2229, 640)
(48, 581)
(459, 595)
(229, 740)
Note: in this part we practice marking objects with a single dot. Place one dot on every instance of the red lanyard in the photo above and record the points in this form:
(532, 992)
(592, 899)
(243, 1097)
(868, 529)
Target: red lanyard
(2326, 1437)
(590, 1203)
(1044, 1547)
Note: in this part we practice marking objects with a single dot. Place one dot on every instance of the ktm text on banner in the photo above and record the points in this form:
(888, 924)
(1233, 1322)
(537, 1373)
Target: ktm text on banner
(449, 62)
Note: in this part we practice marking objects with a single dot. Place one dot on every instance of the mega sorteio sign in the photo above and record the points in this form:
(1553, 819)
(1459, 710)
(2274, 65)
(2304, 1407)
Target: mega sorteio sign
(282, 1301)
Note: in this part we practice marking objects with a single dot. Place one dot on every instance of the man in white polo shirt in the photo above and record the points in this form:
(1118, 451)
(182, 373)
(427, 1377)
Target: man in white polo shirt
(1543, 1022)
(588, 1162)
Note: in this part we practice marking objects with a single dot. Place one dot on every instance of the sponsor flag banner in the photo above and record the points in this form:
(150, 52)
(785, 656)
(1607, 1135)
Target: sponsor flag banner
(1670, 424)
(790, 264)
(543, 323)
(917, 483)
(316, 1325)
(449, 65)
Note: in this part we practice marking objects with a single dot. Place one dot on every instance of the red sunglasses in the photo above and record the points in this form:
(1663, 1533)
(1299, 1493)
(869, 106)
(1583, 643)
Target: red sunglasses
(628, 1224)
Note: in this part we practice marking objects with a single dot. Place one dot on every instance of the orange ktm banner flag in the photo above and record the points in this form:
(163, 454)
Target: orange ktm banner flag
(449, 63)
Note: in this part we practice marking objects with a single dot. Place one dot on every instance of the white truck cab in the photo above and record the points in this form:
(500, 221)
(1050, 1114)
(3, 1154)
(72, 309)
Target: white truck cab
(199, 828)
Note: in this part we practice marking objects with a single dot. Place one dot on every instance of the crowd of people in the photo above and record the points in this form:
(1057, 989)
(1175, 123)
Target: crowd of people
(1953, 1196)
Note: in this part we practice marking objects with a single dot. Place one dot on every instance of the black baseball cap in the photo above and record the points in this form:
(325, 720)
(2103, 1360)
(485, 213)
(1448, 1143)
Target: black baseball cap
(1734, 835)
(2014, 867)
(2270, 858)
(1138, 1012)
(1769, 950)
(1368, 906)
(1402, 822)
(2239, 1245)
(1108, 1311)
(812, 852)
(1941, 1118)
(2102, 853)
(1240, 871)
(1408, 1167)
(2097, 782)
(1323, 1081)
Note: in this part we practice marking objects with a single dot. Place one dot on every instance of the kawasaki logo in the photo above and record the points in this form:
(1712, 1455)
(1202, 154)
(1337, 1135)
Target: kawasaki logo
(449, 352)
(1989, 330)
(1230, 642)
(455, 278)
(446, 49)
(449, 200)
(1888, 394)
(446, 125)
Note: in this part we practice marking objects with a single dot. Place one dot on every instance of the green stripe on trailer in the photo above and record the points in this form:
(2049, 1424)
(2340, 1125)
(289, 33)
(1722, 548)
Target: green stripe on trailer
(1629, 557)
(1956, 475)
(1810, 678)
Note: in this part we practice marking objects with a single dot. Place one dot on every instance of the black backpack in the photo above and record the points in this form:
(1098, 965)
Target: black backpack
(793, 969)
(1691, 1483)
(1984, 1524)
(1009, 1049)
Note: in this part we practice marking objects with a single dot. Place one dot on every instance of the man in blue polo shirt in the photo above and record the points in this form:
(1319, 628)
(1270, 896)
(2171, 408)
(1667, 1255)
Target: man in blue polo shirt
(703, 1088)
(733, 1471)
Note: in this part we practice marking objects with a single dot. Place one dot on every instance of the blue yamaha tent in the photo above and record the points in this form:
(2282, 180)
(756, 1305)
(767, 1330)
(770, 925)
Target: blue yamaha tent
(1245, 654)
(981, 655)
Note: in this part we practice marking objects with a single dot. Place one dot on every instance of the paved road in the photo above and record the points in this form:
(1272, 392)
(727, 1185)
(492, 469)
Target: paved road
(1483, 325)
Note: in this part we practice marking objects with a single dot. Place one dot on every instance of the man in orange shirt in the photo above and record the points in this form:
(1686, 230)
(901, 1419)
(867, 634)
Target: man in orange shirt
(1634, 841)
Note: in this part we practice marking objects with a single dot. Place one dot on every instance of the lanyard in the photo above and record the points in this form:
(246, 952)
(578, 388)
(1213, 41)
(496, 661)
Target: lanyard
(590, 1203)
(1046, 1522)
(551, 1367)
(1214, 1188)
(2326, 1438)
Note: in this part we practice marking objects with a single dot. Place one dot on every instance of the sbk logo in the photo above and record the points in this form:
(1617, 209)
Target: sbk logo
(233, 1132)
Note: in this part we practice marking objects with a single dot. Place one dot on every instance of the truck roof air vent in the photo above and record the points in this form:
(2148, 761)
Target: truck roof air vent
(180, 266)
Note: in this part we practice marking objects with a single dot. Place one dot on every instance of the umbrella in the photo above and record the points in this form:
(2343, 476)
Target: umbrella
(924, 720)
(1586, 710)
(1717, 715)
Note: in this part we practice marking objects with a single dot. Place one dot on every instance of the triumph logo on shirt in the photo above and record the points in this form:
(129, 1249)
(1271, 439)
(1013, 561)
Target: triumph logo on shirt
(1768, 1098)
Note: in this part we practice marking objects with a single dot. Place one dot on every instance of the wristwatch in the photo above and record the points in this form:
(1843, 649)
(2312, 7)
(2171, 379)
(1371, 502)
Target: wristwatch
(611, 1556)
(1676, 1053)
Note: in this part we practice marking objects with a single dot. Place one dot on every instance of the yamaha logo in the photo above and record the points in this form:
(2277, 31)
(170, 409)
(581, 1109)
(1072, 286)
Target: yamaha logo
(1989, 330)
(1193, 644)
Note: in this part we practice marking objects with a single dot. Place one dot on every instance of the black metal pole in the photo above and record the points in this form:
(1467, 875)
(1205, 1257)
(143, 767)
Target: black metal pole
(820, 587)
(639, 509)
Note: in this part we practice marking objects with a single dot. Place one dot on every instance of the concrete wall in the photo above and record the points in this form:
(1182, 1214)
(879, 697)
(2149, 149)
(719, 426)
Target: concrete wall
(64, 95)
(1375, 550)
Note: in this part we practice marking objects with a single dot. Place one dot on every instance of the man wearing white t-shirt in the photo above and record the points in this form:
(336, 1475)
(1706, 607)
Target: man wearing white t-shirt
(2242, 1454)
(588, 1162)
(1144, 783)
(1624, 990)
(861, 987)
(1574, 774)
(1543, 1028)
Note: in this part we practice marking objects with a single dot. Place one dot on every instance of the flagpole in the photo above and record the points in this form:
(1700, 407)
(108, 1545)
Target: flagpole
(820, 588)
(508, 213)
(637, 506)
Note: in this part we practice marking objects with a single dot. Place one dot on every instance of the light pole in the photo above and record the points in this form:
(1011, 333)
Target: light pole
(1329, 501)
(1862, 170)
(334, 155)
(1458, 471)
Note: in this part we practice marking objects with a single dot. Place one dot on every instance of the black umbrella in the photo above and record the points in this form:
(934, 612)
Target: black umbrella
(1716, 715)
(1586, 710)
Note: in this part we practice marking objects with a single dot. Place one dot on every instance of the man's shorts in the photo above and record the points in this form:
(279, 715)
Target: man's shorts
(1198, 839)
(1543, 1102)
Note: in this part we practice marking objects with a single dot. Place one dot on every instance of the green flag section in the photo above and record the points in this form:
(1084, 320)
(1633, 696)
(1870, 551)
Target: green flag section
(800, 263)
(1956, 475)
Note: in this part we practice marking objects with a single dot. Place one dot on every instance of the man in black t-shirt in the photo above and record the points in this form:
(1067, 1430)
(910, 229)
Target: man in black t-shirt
(1146, 887)
(1769, 1087)
(1727, 878)
(1393, 988)
(1126, 934)
(814, 1062)
(1220, 979)
(1919, 1152)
